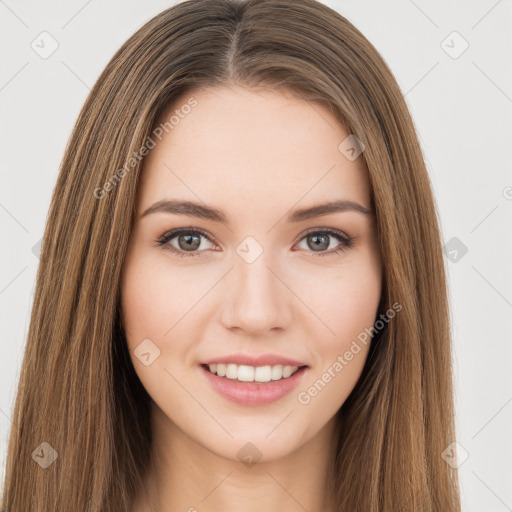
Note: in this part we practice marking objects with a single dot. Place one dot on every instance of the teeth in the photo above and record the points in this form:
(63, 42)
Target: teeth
(246, 373)
(263, 374)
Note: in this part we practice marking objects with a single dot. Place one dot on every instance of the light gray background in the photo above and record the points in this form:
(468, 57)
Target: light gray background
(462, 109)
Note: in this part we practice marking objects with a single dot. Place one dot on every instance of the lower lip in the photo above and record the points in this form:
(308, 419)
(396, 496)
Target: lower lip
(253, 393)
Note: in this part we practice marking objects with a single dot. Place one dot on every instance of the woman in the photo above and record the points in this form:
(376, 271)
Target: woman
(241, 301)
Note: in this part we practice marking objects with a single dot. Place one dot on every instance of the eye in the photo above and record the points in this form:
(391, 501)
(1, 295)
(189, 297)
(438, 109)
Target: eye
(188, 241)
(320, 240)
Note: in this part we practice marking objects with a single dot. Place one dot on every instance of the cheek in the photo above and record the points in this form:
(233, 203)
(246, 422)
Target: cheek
(153, 303)
(346, 301)
(343, 302)
(154, 297)
(347, 305)
(356, 303)
(143, 303)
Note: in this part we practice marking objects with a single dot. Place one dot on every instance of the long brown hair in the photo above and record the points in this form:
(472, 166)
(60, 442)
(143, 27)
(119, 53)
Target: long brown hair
(78, 390)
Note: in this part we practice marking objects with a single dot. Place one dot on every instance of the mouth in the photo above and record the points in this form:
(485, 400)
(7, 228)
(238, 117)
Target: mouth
(258, 374)
(253, 385)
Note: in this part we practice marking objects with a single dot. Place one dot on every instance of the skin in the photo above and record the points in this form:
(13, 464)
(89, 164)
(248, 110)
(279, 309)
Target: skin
(257, 155)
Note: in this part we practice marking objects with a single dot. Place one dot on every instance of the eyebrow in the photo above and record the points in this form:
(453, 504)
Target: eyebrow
(191, 209)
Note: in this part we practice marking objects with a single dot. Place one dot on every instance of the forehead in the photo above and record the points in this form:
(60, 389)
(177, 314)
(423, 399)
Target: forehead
(262, 145)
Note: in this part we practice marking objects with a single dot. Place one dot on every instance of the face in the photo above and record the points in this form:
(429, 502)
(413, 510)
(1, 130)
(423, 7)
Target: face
(244, 276)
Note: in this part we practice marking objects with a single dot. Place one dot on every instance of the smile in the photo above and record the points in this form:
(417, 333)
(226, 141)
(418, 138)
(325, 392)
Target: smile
(253, 385)
(244, 373)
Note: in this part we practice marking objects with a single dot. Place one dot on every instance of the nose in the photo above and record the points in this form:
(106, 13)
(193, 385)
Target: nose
(256, 296)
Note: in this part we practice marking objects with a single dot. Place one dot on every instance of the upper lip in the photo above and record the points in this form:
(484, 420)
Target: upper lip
(261, 360)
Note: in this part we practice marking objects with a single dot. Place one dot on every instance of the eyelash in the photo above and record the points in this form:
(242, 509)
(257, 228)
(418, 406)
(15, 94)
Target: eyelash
(346, 241)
